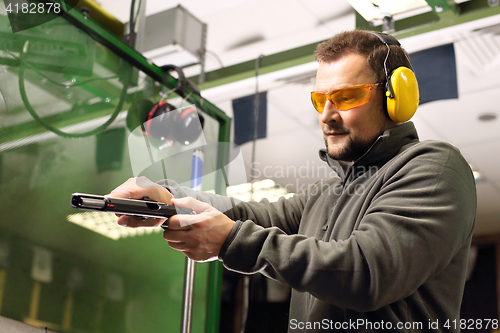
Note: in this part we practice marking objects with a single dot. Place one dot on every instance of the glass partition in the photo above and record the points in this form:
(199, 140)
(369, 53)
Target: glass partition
(72, 115)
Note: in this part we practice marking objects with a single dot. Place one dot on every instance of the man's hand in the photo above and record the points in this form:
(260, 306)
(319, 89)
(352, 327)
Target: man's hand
(199, 236)
(138, 188)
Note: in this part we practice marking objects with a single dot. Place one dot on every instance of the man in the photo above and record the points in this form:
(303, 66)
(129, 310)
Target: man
(382, 247)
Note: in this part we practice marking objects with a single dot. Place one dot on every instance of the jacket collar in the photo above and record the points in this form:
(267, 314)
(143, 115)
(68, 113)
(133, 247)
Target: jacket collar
(385, 147)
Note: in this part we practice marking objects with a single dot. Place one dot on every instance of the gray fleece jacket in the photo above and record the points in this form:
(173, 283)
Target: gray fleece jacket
(383, 247)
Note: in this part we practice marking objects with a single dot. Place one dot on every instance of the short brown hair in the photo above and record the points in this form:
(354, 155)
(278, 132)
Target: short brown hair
(367, 44)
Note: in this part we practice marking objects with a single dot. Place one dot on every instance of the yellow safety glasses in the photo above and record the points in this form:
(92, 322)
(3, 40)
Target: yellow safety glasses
(345, 98)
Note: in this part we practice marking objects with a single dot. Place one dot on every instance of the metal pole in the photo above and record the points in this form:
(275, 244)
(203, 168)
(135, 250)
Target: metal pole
(187, 302)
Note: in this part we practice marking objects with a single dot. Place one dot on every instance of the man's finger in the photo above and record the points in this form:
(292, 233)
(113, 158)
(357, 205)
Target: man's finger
(140, 187)
(173, 223)
(178, 236)
(179, 246)
(129, 190)
(185, 220)
(191, 203)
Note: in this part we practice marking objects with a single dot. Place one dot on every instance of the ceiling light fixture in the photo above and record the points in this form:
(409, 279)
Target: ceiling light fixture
(488, 116)
(377, 9)
(106, 225)
(264, 189)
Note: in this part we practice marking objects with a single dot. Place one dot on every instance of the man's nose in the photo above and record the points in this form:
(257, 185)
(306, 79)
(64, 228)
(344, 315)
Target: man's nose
(330, 113)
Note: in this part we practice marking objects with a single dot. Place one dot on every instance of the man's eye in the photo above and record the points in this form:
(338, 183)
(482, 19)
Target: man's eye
(347, 97)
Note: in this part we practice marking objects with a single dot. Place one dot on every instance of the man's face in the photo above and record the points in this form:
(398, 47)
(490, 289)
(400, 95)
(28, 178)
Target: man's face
(349, 134)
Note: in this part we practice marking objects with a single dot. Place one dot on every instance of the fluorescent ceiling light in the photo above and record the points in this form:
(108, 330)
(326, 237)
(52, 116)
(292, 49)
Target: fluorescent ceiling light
(106, 225)
(264, 189)
(375, 9)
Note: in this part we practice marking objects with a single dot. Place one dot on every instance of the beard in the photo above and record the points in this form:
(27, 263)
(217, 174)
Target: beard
(352, 150)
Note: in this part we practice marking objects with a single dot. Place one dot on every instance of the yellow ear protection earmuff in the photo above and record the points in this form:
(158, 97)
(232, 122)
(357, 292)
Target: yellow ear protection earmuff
(401, 88)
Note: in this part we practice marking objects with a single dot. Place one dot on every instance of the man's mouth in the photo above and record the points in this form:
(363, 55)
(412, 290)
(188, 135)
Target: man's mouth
(334, 134)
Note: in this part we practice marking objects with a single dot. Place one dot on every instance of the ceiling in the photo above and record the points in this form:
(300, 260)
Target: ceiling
(242, 30)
